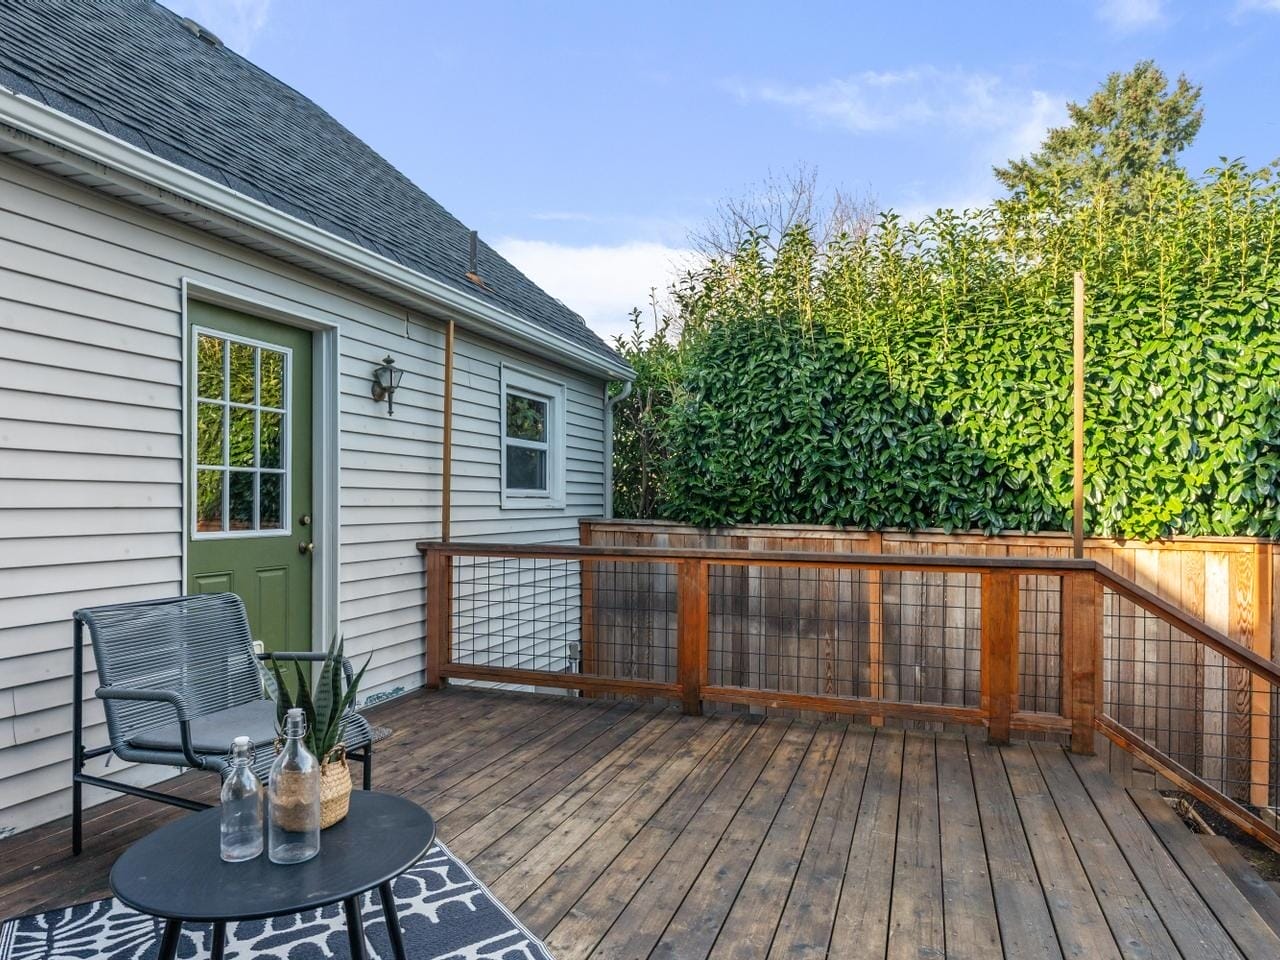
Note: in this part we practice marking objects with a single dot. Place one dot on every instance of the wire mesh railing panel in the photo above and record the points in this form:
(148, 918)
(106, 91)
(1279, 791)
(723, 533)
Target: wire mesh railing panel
(1040, 643)
(523, 613)
(932, 637)
(630, 612)
(789, 629)
(1189, 702)
(891, 635)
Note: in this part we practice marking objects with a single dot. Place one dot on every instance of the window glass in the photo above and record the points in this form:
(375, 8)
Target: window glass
(526, 468)
(526, 418)
(242, 373)
(209, 432)
(270, 433)
(242, 479)
(240, 439)
(271, 381)
(240, 500)
(270, 516)
(209, 353)
(209, 501)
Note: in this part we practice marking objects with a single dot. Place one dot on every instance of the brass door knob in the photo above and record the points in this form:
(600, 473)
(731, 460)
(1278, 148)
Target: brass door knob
(305, 548)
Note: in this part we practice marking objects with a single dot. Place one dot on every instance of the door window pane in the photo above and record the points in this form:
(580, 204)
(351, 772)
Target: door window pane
(240, 451)
(209, 360)
(526, 418)
(270, 488)
(209, 501)
(526, 468)
(240, 500)
(209, 433)
(243, 373)
(270, 435)
(271, 383)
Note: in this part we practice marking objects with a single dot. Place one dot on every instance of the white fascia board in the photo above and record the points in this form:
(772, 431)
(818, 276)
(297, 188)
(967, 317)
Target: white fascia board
(113, 156)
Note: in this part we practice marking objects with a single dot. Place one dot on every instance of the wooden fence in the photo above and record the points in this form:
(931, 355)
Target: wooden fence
(1228, 583)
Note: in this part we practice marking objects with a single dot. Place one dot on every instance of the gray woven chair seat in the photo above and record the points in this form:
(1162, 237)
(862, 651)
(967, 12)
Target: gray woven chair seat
(212, 733)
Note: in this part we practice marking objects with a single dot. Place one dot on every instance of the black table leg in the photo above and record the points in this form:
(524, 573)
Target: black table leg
(355, 928)
(219, 940)
(393, 921)
(169, 940)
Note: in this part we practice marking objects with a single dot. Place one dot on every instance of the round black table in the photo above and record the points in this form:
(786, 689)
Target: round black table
(177, 873)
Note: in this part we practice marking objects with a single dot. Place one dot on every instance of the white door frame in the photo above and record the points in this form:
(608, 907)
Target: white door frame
(325, 446)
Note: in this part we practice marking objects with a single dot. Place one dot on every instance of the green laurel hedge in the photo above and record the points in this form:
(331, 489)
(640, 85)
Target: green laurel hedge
(920, 376)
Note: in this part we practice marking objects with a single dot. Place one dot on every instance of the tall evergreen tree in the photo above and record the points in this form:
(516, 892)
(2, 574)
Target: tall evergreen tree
(1133, 124)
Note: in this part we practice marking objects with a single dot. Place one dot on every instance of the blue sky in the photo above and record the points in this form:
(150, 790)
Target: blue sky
(585, 140)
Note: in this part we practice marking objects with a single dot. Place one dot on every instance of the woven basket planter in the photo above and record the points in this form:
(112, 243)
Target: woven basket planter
(335, 788)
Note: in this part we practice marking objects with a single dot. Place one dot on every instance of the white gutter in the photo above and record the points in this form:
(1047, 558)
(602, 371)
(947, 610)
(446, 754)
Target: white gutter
(609, 404)
(167, 181)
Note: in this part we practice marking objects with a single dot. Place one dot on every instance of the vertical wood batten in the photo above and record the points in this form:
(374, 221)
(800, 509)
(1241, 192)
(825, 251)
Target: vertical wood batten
(1260, 713)
(999, 652)
(691, 632)
(875, 626)
(587, 579)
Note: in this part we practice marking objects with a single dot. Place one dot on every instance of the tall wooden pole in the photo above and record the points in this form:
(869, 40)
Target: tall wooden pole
(1077, 440)
(446, 466)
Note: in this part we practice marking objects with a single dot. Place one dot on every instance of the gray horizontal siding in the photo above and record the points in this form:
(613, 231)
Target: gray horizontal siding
(90, 453)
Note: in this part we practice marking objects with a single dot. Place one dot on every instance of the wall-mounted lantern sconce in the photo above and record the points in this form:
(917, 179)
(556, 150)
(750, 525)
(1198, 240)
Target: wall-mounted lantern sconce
(386, 381)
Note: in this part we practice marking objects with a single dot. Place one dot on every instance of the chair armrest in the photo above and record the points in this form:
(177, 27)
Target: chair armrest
(159, 696)
(306, 657)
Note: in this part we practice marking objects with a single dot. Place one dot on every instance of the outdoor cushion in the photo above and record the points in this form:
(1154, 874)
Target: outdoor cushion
(212, 734)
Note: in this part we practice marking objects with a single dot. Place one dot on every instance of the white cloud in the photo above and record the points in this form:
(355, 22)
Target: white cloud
(980, 119)
(1128, 15)
(873, 102)
(602, 283)
(236, 23)
(1270, 6)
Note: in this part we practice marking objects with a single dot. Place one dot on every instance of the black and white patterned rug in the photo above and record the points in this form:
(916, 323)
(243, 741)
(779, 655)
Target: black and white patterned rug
(446, 914)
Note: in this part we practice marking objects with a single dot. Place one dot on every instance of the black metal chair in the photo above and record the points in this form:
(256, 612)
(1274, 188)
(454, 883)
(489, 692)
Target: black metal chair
(179, 679)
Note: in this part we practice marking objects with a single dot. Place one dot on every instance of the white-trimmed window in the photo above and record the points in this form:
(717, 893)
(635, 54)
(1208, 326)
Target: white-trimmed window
(532, 440)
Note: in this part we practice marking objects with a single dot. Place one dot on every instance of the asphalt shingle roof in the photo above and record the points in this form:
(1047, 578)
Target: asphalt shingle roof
(133, 69)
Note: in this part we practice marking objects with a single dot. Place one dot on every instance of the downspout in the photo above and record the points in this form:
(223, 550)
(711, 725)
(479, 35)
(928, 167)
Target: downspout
(446, 465)
(609, 404)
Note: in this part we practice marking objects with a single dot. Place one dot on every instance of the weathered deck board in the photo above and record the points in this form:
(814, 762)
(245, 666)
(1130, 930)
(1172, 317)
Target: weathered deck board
(619, 830)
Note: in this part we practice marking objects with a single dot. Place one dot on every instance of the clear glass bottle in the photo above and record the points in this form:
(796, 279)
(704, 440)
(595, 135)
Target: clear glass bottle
(241, 806)
(293, 797)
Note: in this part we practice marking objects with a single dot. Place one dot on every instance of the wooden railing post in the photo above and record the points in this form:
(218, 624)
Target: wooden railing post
(875, 626)
(691, 632)
(999, 652)
(439, 615)
(1260, 693)
(1081, 669)
(587, 616)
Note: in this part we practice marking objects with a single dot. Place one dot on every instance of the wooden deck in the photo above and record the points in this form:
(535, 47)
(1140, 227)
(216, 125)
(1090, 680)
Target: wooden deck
(623, 831)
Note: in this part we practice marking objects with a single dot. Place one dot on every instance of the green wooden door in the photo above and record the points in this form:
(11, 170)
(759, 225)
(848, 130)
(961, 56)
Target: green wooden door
(250, 485)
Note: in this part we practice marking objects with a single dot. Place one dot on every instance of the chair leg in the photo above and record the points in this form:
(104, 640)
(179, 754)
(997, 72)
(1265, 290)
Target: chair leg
(368, 767)
(77, 736)
(77, 817)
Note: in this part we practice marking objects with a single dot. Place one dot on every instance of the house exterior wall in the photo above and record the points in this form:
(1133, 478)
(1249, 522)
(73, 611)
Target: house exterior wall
(91, 453)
